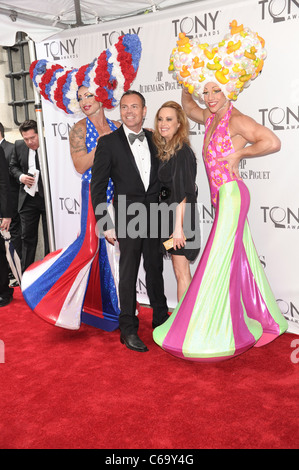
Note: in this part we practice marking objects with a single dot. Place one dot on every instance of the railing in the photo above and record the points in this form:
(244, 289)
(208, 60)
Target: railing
(26, 102)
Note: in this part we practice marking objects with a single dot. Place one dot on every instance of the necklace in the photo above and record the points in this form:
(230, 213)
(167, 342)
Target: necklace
(227, 101)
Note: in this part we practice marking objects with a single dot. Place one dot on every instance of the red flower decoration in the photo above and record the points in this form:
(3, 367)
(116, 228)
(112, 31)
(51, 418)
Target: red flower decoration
(102, 96)
(102, 75)
(58, 93)
(31, 68)
(125, 61)
(80, 75)
(46, 79)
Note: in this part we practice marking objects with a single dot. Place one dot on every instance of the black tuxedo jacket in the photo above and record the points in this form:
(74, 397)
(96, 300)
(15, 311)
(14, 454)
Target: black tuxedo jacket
(5, 206)
(114, 159)
(8, 148)
(18, 166)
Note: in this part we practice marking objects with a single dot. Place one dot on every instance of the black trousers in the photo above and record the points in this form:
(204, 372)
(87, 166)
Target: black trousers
(32, 209)
(130, 256)
(15, 225)
(5, 290)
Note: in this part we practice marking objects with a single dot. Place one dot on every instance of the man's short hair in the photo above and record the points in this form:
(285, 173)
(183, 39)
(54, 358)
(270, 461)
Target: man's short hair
(28, 125)
(134, 92)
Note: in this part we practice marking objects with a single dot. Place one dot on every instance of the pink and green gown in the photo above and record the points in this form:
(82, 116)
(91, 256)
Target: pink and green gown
(229, 306)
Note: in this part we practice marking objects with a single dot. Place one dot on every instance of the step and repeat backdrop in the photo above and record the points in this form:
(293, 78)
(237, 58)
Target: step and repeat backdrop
(272, 100)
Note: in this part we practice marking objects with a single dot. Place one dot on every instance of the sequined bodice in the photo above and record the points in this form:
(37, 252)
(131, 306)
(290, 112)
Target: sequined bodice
(220, 145)
(91, 142)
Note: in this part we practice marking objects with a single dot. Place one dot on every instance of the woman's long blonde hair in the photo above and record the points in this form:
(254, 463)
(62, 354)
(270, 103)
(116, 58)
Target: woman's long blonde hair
(167, 149)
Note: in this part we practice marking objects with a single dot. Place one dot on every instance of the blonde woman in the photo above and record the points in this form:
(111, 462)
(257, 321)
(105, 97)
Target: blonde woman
(177, 174)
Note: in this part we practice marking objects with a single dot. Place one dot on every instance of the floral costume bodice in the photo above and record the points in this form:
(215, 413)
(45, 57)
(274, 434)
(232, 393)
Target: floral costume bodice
(220, 145)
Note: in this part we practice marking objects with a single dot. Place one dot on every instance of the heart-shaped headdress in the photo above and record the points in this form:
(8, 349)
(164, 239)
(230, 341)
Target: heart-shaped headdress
(231, 63)
(107, 76)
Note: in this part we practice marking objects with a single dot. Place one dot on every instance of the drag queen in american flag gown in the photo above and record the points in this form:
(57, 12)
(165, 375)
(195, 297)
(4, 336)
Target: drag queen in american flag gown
(80, 283)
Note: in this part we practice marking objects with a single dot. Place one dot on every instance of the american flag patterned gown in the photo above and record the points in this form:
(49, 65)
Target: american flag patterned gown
(78, 283)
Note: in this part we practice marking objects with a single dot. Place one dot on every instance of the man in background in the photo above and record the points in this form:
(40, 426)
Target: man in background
(25, 167)
(15, 226)
(6, 292)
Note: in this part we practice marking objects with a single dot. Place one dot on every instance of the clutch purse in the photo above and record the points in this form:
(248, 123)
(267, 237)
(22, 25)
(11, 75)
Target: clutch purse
(164, 193)
(168, 244)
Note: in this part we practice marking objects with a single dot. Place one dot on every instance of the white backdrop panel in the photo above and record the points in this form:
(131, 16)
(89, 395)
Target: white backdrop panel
(272, 100)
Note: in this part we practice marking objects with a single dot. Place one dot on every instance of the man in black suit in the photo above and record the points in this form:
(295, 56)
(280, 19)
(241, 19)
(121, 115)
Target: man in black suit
(6, 292)
(25, 168)
(15, 226)
(133, 169)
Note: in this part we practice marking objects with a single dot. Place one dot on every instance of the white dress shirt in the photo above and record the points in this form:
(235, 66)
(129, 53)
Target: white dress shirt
(31, 162)
(33, 171)
(142, 156)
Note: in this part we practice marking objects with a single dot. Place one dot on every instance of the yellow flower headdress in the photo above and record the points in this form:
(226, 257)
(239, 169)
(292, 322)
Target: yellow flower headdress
(232, 63)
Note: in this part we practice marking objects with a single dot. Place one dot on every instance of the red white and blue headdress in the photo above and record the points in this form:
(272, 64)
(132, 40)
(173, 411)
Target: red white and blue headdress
(107, 77)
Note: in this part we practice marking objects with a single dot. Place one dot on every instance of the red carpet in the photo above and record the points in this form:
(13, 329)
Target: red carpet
(84, 390)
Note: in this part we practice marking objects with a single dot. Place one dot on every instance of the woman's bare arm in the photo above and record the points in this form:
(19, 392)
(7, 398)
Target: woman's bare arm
(191, 108)
(262, 141)
(81, 158)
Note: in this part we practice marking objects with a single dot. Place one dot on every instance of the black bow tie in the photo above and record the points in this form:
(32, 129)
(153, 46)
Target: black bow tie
(133, 137)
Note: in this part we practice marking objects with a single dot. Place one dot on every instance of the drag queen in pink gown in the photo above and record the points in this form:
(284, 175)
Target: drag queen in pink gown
(229, 306)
